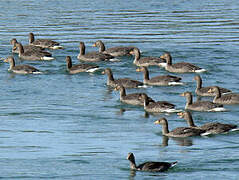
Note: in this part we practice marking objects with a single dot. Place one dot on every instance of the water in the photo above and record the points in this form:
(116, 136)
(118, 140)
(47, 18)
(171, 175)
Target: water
(60, 126)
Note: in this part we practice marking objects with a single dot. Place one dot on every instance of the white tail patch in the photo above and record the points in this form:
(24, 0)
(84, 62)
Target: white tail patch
(57, 47)
(37, 72)
(218, 109)
(172, 110)
(205, 134)
(143, 86)
(163, 64)
(174, 164)
(200, 70)
(47, 58)
(175, 83)
(92, 70)
(235, 129)
(114, 60)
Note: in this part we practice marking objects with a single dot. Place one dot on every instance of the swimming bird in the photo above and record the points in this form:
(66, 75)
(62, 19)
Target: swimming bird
(165, 80)
(21, 69)
(14, 43)
(44, 43)
(149, 166)
(133, 98)
(158, 106)
(74, 69)
(210, 128)
(146, 61)
(92, 56)
(203, 91)
(114, 51)
(232, 98)
(126, 82)
(200, 105)
(181, 67)
(32, 55)
(179, 131)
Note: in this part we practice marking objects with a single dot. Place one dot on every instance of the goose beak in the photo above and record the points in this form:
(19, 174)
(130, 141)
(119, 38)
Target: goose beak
(182, 94)
(162, 57)
(157, 122)
(131, 52)
(138, 70)
(180, 114)
(94, 45)
(103, 72)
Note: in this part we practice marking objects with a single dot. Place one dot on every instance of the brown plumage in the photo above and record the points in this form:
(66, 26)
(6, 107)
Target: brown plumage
(126, 82)
(232, 98)
(133, 98)
(44, 43)
(146, 61)
(203, 91)
(92, 56)
(74, 69)
(114, 51)
(165, 80)
(149, 166)
(179, 131)
(201, 105)
(181, 67)
(210, 128)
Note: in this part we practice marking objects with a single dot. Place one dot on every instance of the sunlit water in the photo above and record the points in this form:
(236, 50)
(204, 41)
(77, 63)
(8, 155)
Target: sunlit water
(60, 126)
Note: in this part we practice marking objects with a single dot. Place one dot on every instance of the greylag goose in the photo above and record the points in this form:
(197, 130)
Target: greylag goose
(44, 43)
(21, 69)
(181, 67)
(210, 128)
(179, 131)
(201, 105)
(157, 107)
(32, 55)
(232, 98)
(74, 69)
(165, 80)
(146, 61)
(203, 91)
(126, 82)
(133, 98)
(92, 56)
(114, 51)
(14, 43)
(149, 166)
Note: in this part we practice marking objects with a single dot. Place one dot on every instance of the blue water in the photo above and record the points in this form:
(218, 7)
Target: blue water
(61, 126)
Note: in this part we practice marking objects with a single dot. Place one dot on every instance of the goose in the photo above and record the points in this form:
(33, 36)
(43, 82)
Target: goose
(165, 80)
(203, 91)
(21, 69)
(14, 43)
(149, 166)
(126, 82)
(133, 99)
(44, 43)
(74, 69)
(114, 51)
(232, 98)
(146, 61)
(181, 67)
(210, 128)
(201, 105)
(32, 55)
(179, 131)
(92, 56)
(157, 107)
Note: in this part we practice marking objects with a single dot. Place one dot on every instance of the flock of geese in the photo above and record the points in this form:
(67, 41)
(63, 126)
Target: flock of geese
(35, 51)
